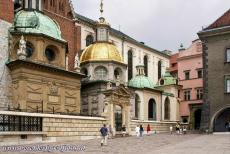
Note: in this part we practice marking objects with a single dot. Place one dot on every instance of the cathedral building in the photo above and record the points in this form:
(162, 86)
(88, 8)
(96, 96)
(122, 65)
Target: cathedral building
(127, 80)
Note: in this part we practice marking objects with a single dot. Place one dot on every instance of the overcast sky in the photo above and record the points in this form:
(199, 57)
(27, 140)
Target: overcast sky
(161, 24)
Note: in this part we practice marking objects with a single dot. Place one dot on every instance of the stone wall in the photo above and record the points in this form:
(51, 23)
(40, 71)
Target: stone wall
(74, 128)
(5, 80)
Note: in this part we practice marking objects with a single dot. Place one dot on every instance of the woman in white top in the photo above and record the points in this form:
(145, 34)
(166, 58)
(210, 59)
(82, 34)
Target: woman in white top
(137, 130)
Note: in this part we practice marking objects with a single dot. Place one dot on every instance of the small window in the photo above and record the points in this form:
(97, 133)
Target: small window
(187, 75)
(50, 54)
(228, 55)
(187, 95)
(101, 72)
(162, 82)
(200, 74)
(199, 94)
(227, 85)
(89, 40)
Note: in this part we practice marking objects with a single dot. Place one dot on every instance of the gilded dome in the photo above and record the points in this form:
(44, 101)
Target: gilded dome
(101, 51)
(33, 22)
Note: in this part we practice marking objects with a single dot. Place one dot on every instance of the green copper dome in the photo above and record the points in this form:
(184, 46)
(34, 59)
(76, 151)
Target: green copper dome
(168, 79)
(33, 22)
(141, 81)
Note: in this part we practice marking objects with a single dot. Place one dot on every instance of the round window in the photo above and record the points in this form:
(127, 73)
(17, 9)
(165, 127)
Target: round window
(50, 54)
(29, 50)
(162, 82)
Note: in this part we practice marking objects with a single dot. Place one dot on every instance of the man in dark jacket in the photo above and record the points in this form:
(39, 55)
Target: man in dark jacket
(104, 134)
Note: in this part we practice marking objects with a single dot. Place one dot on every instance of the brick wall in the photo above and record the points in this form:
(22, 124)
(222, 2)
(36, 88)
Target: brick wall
(61, 12)
(7, 10)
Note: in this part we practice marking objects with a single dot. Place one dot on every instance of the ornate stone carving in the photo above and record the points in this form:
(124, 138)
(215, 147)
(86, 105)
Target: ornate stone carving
(53, 88)
(21, 53)
(77, 63)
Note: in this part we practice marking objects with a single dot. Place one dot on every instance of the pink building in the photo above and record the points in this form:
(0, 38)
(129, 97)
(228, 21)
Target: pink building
(190, 75)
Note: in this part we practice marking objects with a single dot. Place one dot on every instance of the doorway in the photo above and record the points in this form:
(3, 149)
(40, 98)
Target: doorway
(118, 118)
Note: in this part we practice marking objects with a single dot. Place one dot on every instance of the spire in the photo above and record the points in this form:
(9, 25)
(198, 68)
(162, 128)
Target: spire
(101, 10)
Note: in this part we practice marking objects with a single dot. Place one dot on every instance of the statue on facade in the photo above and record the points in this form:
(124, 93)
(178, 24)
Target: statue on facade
(77, 63)
(21, 52)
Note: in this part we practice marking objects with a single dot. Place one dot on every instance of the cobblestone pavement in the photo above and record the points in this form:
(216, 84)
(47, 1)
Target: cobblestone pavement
(154, 144)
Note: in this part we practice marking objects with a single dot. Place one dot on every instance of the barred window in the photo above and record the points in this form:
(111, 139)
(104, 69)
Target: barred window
(101, 72)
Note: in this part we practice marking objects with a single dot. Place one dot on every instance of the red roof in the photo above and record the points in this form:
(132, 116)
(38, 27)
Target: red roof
(224, 20)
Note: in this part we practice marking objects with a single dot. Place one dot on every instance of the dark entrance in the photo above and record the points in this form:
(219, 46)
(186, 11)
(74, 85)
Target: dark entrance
(221, 123)
(152, 110)
(197, 119)
(118, 118)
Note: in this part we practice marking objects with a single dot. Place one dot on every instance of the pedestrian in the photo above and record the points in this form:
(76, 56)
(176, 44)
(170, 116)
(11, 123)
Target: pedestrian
(178, 128)
(141, 131)
(148, 129)
(171, 129)
(123, 130)
(104, 134)
(110, 132)
(137, 129)
(184, 130)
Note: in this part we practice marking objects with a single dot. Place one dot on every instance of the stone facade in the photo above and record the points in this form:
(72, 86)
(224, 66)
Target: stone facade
(217, 69)
(5, 78)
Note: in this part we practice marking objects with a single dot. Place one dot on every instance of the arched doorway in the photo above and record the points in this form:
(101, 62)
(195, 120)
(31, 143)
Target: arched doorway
(118, 117)
(167, 109)
(152, 110)
(222, 120)
(197, 119)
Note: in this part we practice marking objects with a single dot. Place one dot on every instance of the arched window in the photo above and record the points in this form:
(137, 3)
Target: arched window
(101, 72)
(159, 69)
(152, 110)
(118, 73)
(84, 71)
(146, 65)
(137, 106)
(89, 40)
(167, 109)
(130, 64)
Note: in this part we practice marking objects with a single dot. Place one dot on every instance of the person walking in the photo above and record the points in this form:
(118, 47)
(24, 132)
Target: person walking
(171, 129)
(104, 134)
(148, 129)
(141, 131)
(110, 132)
(178, 128)
(123, 130)
(137, 130)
